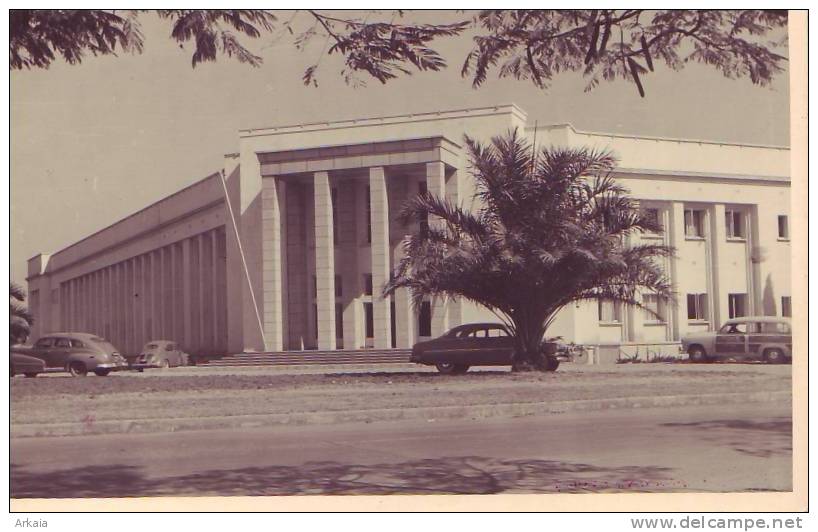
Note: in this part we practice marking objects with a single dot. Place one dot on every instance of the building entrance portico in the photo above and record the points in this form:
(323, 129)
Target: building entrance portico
(331, 237)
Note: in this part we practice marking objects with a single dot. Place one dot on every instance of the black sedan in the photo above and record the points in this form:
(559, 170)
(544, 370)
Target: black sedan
(473, 344)
(21, 364)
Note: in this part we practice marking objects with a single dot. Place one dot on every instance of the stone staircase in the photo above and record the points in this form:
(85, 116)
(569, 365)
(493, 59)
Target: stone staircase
(311, 357)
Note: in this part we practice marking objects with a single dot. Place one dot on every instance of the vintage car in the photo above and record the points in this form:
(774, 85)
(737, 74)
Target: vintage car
(473, 344)
(767, 338)
(77, 353)
(21, 364)
(160, 354)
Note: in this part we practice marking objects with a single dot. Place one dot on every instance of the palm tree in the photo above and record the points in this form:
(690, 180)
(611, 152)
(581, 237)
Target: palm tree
(551, 231)
(20, 318)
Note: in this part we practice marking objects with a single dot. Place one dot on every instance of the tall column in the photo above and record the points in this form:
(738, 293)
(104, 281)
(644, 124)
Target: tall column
(324, 261)
(717, 239)
(676, 235)
(273, 196)
(405, 326)
(436, 186)
(379, 208)
(187, 293)
(158, 291)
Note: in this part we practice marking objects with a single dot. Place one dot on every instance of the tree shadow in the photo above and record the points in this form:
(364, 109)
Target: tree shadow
(450, 475)
(763, 439)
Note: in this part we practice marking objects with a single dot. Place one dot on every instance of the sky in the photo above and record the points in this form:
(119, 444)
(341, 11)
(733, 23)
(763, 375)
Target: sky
(95, 142)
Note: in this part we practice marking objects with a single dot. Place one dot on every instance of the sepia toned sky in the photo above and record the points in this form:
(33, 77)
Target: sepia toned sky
(95, 142)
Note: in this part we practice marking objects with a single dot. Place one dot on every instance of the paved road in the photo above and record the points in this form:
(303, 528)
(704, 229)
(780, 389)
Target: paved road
(733, 448)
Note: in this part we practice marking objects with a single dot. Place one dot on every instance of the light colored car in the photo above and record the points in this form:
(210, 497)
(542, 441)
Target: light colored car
(21, 364)
(160, 354)
(767, 338)
(77, 353)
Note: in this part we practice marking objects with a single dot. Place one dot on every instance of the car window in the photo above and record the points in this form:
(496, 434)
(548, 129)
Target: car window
(734, 328)
(44, 342)
(466, 333)
(497, 332)
(77, 343)
(170, 347)
(63, 342)
(775, 327)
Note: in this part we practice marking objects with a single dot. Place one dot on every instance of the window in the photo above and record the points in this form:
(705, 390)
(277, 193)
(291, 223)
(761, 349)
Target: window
(425, 319)
(497, 332)
(697, 307)
(786, 306)
(368, 284)
(63, 342)
(44, 343)
(610, 311)
(783, 227)
(656, 305)
(339, 286)
(368, 217)
(737, 304)
(77, 343)
(369, 320)
(334, 196)
(734, 328)
(339, 321)
(775, 327)
(652, 215)
(694, 223)
(734, 226)
(424, 223)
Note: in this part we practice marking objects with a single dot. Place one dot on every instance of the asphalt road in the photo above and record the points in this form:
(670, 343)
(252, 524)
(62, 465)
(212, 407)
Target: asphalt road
(732, 448)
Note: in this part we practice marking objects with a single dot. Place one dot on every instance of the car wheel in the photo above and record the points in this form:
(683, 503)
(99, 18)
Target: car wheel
(774, 356)
(552, 363)
(449, 368)
(102, 372)
(30, 375)
(697, 354)
(77, 369)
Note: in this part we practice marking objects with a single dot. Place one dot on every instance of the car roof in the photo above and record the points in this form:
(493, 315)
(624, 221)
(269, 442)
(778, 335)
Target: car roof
(772, 319)
(160, 342)
(479, 325)
(85, 336)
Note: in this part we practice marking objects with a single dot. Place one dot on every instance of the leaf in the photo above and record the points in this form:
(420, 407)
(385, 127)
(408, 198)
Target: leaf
(634, 68)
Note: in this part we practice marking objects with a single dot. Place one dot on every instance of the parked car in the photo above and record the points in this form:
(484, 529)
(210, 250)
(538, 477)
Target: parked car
(160, 354)
(77, 353)
(766, 338)
(473, 344)
(20, 364)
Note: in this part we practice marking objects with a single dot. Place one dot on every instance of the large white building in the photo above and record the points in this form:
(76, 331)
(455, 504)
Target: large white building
(315, 208)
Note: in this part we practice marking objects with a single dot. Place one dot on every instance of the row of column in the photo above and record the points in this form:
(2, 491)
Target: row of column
(177, 292)
(274, 251)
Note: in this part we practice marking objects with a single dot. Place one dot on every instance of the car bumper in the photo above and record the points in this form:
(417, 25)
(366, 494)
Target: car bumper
(143, 365)
(113, 366)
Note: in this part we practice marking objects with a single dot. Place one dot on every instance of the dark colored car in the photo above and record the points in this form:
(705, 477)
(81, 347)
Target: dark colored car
(21, 364)
(160, 354)
(473, 344)
(78, 353)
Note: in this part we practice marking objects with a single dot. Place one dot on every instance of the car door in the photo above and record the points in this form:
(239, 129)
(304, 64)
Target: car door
(60, 352)
(42, 350)
(499, 347)
(731, 340)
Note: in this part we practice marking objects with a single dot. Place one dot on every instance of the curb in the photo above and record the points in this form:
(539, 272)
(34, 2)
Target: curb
(143, 426)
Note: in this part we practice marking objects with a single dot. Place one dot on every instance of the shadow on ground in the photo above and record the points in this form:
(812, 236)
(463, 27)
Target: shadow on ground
(763, 439)
(452, 475)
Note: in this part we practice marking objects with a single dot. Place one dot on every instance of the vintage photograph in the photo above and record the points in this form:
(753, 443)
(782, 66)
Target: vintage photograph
(332, 252)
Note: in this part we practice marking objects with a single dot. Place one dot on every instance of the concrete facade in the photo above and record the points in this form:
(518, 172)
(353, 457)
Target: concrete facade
(316, 236)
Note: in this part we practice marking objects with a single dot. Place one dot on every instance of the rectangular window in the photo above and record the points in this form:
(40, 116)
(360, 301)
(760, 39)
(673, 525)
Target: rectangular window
(339, 286)
(369, 320)
(339, 321)
(334, 195)
(694, 223)
(734, 225)
(653, 215)
(737, 305)
(610, 311)
(424, 223)
(786, 306)
(783, 227)
(368, 217)
(657, 307)
(425, 319)
(315, 319)
(368, 284)
(697, 307)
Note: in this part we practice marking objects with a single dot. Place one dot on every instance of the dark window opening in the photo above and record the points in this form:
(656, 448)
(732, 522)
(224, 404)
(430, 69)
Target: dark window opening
(737, 304)
(786, 306)
(339, 321)
(368, 284)
(425, 319)
(783, 227)
(369, 320)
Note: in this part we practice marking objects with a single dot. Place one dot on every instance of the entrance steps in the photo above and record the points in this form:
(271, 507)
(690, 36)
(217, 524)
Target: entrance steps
(313, 357)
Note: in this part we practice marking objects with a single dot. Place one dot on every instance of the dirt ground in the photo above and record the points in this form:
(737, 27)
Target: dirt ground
(194, 392)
